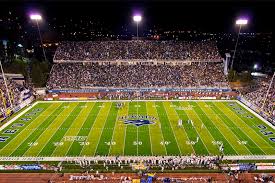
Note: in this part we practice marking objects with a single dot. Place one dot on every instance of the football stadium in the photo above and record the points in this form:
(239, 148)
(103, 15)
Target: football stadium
(142, 105)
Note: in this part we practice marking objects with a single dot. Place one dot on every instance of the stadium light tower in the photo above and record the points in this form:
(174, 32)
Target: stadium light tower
(137, 19)
(37, 18)
(240, 22)
(5, 82)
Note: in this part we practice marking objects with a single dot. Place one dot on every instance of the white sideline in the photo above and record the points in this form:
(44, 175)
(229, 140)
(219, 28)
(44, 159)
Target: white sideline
(17, 116)
(143, 100)
(138, 158)
(256, 114)
(239, 157)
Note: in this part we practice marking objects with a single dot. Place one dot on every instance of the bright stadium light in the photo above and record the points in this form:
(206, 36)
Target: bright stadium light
(137, 19)
(36, 18)
(255, 66)
(241, 22)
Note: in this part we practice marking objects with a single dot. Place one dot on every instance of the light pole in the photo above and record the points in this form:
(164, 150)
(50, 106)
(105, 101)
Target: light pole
(137, 19)
(239, 22)
(36, 18)
(5, 82)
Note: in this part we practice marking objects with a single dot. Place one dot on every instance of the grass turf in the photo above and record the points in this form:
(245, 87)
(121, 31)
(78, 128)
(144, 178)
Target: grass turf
(97, 128)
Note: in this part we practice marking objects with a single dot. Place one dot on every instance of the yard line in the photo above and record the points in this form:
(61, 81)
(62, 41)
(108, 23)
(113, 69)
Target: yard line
(238, 132)
(156, 131)
(172, 128)
(31, 123)
(47, 134)
(18, 120)
(21, 150)
(199, 147)
(227, 132)
(207, 135)
(143, 133)
(169, 136)
(89, 110)
(71, 127)
(103, 128)
(107, 132)
(179, 137)
(115, 149)
(149, 131)
(92, 126)
(96, 131)
(137, 131)
(125, 131)
(252, 132)
(137, 141)
(130, 148)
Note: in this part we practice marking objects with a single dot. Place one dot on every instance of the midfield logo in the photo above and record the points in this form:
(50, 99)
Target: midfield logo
(138, 120)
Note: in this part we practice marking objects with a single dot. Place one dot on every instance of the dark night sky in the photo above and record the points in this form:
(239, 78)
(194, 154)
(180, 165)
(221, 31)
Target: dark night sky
(199, 15)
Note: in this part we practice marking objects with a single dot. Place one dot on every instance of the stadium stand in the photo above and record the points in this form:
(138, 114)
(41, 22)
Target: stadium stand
(137, 49)
(257, 96)
(137, 64)
(18, 93)
(79, 75)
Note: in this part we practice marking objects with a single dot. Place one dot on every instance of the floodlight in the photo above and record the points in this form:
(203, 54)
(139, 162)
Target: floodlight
(241, 21)
(137, 18)
(35, 17)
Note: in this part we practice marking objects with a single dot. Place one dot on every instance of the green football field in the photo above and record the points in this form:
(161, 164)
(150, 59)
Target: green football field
(144, 128)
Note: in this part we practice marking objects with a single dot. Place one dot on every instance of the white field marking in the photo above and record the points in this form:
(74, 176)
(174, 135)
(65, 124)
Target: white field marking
(17, 116)
(103, 128)
(246, 133)
(114, 131)
(225, 127)
(243, 130)
(92, 126)
(149, 130)
(26, 128)
(58, 144)
(242, 142)
(37, 138)
(137, 158)
(137, 129)
(198, 132)
(59, 126)
(172, 128)
(137, 141)
(160, 129)
(257, 115)
(250, 128)
(125, 127)
(185, 132)
(79, 128)
(68, 101)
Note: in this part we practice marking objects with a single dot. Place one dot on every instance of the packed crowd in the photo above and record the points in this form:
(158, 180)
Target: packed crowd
(138, 49)
(257, 97)
(83, 75)
(15, 94)
(164, 162)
